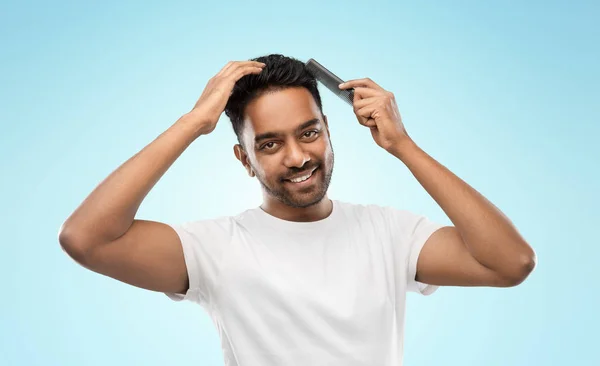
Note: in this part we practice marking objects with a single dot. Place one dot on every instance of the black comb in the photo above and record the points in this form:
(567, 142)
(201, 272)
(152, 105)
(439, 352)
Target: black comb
(330, 81)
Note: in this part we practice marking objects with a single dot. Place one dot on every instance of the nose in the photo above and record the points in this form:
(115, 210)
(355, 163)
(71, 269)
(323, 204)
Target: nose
(295, 156)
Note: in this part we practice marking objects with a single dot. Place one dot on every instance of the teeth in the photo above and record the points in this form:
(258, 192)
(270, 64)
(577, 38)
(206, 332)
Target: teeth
(301, 179)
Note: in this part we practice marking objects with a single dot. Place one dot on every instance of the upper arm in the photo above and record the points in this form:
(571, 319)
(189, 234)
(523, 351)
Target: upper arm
(444, 260)
(149, 255)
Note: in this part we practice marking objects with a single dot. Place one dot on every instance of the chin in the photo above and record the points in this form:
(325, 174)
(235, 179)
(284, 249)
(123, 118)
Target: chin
(304, 200)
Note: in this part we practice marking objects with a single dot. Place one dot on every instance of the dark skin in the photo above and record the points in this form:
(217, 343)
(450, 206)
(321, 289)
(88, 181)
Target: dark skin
(482, 249)
(300, 142)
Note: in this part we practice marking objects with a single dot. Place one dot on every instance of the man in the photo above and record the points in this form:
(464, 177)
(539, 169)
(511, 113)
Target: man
(302, 279)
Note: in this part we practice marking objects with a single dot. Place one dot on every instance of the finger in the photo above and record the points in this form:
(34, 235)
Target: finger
(224, 68)
(362, 120)
(366, 112)
(358, 104)
(365, 82)
(363, 93)
(242, 65)
(367, 122)
(237, 75)
(233, 64)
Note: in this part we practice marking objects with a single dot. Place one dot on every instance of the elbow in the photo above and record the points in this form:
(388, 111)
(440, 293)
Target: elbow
(526, 265)
(71, 244)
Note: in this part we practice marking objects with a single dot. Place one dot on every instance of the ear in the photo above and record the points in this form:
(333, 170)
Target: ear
(326, 125)
(242, 156)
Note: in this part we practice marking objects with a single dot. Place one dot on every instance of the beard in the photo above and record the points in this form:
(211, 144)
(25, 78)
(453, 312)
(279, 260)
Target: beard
(286, 193)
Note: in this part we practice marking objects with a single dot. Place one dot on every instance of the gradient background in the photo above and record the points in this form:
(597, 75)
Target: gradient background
(505, 95)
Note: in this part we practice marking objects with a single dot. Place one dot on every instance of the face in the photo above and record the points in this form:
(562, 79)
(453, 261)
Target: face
(286, 136)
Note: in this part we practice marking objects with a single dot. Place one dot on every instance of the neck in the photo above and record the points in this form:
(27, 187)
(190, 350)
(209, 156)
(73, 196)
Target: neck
(316, 212)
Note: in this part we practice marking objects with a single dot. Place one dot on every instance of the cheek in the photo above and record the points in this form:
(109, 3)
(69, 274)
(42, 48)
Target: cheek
(326, 151)
(266, 169)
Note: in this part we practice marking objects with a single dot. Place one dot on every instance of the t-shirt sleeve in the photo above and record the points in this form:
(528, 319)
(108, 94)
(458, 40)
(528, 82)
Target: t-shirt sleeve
(411, 232)
(203, 243)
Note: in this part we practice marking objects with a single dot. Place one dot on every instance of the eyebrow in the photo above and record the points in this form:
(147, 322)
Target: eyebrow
(268, 135)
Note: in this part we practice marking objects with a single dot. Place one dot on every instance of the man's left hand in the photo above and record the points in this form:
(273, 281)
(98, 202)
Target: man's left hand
(376, 108)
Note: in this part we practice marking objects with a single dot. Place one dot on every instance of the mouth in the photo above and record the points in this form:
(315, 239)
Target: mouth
(303, 181)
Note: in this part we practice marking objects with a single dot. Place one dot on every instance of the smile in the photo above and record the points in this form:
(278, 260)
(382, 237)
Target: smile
(302, 180)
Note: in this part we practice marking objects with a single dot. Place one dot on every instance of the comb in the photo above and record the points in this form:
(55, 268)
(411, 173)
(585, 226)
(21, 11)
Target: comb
(330, 80)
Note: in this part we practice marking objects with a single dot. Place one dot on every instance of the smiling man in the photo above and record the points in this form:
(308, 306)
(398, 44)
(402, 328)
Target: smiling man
(302, 279)
(284, 142)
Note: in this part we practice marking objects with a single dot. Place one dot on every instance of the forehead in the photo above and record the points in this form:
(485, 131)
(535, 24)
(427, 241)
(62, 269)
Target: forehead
(279, 111)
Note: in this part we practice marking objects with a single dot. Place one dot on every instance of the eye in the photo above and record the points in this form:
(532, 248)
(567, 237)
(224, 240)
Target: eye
(309, 132)
(264, 147)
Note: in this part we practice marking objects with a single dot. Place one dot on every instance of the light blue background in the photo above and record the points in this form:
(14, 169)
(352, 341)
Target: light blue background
(505, 95)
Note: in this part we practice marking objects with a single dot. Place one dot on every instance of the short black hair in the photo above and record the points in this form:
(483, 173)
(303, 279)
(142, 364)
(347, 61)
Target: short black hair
(280, 72)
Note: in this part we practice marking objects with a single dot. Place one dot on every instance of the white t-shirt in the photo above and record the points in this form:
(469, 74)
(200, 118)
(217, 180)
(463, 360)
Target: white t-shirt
(328, 292)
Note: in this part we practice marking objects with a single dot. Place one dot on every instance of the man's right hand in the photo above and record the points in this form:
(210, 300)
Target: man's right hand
(213, 100)
(103, 235)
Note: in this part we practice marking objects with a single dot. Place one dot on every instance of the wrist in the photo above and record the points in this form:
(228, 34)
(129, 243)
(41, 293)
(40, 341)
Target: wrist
(403, 148)
(194, 123)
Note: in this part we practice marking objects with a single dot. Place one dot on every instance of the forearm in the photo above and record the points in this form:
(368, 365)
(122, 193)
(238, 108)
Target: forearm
(110, 208)
(487, 233)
